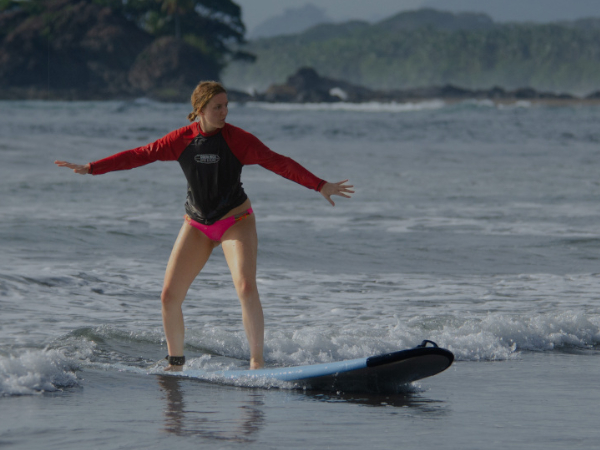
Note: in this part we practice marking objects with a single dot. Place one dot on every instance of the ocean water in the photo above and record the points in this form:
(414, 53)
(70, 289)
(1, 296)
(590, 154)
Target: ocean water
(474, 225)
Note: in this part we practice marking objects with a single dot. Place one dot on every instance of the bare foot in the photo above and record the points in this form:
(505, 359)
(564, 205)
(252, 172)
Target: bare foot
(256, 364)
(170, 368)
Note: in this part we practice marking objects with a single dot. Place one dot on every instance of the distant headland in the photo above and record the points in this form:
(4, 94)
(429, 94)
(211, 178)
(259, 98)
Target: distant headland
(81, 50)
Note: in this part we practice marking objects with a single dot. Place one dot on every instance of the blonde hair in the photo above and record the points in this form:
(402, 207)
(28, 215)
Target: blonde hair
(203, 93)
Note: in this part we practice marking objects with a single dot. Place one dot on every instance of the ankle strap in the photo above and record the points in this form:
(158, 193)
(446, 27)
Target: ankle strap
(176, 360)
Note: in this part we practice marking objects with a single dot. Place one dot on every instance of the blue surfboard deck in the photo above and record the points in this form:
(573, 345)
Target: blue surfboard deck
(374, 373)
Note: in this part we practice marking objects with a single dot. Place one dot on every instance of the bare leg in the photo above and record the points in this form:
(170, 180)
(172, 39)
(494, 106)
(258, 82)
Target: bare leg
(189, 255)
(240, 246)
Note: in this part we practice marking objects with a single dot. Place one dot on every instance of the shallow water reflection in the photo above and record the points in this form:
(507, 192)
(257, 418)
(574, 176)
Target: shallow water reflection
(413, 400)
(237, 424)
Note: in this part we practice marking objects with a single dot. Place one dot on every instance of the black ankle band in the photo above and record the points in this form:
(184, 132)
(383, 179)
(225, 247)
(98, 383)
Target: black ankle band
(176, 360)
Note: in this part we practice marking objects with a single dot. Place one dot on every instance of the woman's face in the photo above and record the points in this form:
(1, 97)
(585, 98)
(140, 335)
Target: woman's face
(212, 116)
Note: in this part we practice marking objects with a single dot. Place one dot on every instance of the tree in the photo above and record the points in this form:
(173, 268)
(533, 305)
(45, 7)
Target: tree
(213, 26)
(177, 9)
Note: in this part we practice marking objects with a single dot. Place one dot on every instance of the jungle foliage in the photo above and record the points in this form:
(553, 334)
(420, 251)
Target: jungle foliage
(555, 57)
(213, 26)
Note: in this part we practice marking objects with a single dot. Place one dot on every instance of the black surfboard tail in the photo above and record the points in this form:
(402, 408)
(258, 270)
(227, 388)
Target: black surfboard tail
(390, 372)
(420, 350)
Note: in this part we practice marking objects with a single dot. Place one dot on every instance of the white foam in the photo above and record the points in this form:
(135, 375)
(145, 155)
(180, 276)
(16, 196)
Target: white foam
(36, 371)
(482, 103)
(499, 336)
(517, 104)
(474, 336)
(374, 107)
(492, 337)
(338, 92)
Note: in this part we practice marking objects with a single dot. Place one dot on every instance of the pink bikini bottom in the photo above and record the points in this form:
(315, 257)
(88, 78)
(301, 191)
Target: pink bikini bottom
(216, 231)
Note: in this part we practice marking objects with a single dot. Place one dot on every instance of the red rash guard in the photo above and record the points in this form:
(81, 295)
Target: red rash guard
(212, 164)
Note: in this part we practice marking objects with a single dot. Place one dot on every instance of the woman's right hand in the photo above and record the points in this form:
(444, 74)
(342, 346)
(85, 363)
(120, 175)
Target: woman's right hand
(82, 169)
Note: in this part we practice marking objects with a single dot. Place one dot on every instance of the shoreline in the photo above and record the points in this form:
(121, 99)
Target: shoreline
(552, 102)
(306, 86)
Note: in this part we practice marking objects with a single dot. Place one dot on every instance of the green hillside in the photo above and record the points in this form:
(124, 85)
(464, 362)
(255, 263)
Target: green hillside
(427, 47)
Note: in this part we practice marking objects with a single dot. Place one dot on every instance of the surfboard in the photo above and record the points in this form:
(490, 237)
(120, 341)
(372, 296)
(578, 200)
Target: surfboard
(374, 373)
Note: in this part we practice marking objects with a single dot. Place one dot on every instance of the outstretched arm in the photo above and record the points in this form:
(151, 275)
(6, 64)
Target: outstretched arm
(82, 169)
(167, 148)
(339, 188)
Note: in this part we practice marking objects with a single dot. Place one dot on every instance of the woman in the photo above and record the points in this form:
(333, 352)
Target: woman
(211, 153)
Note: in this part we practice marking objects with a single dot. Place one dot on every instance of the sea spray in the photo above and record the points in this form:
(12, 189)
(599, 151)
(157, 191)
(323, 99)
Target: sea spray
(36, 371)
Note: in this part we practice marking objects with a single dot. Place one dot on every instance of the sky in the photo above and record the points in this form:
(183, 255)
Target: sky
(255, 12)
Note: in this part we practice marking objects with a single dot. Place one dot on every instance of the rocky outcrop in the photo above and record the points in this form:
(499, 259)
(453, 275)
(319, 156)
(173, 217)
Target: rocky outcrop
(307, 86)
(594, 96)
(78, 50)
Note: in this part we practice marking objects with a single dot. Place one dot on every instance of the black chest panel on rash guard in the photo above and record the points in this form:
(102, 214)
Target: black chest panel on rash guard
(213, 175)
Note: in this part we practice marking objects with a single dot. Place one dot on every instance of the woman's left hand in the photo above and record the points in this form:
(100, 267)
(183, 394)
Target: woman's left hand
(339, 188)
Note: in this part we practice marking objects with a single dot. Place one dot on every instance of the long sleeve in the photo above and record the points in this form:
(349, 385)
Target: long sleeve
(250, 150)
(167, 148)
